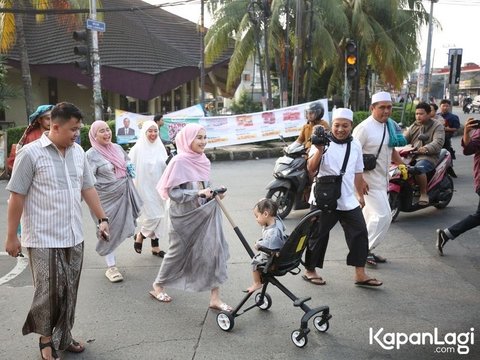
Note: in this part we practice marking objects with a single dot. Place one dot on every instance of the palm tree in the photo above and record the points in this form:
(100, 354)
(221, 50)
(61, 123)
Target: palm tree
(386, 32)
(12, 30)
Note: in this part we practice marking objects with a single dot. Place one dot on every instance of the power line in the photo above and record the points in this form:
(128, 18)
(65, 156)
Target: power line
(83, 11)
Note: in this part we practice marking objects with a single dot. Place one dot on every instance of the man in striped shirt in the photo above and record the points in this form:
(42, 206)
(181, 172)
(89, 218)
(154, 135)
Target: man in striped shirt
(49, 179)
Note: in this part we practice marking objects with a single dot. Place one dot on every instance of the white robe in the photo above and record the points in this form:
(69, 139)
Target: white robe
(149, 160)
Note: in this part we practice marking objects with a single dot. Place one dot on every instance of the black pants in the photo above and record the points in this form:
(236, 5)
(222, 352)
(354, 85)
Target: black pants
(467, 223)
(356, 236)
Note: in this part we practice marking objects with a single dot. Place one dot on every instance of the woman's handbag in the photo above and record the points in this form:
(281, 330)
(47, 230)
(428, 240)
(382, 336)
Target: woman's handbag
(370, 160)
(328, 189)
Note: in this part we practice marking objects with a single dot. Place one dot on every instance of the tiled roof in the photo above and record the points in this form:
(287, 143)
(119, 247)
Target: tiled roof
(153, 46)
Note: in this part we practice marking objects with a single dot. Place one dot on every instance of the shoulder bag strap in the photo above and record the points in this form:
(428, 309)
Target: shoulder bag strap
(383, 138)
(345, 160)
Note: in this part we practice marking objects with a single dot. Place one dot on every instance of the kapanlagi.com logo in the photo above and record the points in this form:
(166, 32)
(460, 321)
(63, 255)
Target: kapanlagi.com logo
(450, 342)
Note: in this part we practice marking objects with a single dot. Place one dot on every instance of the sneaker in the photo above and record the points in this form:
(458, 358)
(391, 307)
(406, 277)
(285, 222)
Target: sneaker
(113, 274)
(442, 239)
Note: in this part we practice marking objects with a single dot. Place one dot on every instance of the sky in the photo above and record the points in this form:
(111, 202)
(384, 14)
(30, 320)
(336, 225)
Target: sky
(458, 20)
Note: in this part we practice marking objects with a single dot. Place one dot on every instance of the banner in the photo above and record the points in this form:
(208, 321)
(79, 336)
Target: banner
(228, 130)
(128, 125)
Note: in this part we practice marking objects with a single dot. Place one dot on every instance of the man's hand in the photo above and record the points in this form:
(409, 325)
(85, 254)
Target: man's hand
(423, 150)
(13, 246)
(104, 231)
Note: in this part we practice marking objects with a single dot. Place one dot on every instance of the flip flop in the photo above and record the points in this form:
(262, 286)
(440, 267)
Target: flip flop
(221, 307)
(369, 283)
(162, 296)
(311, 280)
(75, 347)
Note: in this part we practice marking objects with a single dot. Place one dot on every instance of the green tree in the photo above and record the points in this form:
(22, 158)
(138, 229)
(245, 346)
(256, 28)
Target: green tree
(245, 105)
(12, 31)
(386, 32)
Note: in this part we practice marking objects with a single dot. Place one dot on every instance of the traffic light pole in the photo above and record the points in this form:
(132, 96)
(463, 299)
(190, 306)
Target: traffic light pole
(97, 88)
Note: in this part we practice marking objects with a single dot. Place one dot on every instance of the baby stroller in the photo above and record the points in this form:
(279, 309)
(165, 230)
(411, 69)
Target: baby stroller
(286, 260)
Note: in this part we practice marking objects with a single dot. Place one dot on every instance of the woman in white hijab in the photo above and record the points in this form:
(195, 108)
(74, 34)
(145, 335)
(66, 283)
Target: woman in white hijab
(149, 156)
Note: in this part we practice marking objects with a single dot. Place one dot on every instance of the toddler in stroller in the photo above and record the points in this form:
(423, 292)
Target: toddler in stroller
(273, 237)
(279, 263)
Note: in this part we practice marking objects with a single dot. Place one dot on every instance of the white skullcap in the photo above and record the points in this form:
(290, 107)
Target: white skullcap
(381, 96)
(342, 113)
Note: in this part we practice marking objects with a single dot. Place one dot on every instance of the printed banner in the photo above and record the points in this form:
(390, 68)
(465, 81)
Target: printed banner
(225, 130)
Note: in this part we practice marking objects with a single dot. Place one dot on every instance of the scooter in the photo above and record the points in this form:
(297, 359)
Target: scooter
(467, 105)
(404, 193)
(291, 187)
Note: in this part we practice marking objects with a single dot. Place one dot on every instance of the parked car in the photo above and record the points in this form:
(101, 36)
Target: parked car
(476, 104)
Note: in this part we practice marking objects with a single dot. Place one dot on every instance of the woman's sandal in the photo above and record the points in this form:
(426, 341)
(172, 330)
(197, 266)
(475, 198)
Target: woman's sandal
(161, 296)
(160, 253)
(45, 345)
(137, 246)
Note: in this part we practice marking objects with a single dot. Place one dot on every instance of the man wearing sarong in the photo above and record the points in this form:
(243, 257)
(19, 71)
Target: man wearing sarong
(49, 179)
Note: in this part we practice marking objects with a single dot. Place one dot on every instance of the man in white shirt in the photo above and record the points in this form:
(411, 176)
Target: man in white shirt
(348, 211)
(374, 137)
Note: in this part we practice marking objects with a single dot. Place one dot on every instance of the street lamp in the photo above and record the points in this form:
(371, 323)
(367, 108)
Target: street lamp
(426, 73)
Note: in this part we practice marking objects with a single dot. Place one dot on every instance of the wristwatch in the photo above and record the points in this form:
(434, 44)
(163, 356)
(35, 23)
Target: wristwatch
(105, 219)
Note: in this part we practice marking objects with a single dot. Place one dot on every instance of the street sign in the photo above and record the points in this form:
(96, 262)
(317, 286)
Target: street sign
(95, 25)
(455, 62)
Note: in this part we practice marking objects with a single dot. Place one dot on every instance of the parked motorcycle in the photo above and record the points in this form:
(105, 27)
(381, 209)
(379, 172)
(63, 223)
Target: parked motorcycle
(404, 193)
(291, 187)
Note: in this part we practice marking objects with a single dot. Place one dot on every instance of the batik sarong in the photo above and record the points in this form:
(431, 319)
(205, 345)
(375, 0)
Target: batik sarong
(56, 275)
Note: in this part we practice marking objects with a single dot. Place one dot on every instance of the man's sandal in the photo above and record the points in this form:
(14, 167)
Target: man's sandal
(45, 345)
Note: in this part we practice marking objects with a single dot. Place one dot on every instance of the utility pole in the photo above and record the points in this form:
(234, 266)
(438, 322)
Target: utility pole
(298, 57)
(287, 52)
(426, 73)
(202, 54)
(97, 88)
(266, 15)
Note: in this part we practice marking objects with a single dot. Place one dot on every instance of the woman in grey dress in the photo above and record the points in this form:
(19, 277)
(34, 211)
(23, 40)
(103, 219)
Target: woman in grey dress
(196, 259)
(117, 193)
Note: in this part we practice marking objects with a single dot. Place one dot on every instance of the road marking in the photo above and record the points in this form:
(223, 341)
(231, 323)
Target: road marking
(22, 263)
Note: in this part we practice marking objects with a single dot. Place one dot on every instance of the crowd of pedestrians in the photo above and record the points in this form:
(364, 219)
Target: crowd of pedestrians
(172, 202)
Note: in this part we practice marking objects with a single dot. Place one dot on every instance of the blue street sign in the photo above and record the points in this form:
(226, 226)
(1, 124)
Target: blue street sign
(95, 25)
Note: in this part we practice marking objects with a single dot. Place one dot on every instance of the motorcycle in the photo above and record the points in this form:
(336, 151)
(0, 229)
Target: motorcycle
(291, 187)
(404, 193)
(467, 105)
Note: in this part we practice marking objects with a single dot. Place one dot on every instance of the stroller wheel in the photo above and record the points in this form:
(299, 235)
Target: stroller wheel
(225, 321)
(299, 342)
(264, 304)
(317, 322)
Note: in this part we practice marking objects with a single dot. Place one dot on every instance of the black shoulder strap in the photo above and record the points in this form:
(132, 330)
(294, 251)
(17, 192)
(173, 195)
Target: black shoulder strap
(345, 161)
(383, 138)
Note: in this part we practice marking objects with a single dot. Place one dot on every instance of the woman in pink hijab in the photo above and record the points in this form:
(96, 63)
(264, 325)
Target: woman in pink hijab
(117, 193)
(196, 259)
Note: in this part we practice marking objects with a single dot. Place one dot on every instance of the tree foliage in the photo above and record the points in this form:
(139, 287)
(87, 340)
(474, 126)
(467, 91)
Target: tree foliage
(386, 32)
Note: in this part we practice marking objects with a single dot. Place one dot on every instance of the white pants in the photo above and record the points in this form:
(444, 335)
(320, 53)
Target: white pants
(377, 215)
(110, 259)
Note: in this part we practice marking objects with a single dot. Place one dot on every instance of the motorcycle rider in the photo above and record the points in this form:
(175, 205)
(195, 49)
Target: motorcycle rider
(427, 136)
(314, 113)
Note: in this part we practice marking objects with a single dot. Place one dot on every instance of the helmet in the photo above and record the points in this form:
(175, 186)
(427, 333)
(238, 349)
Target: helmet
(317, 108)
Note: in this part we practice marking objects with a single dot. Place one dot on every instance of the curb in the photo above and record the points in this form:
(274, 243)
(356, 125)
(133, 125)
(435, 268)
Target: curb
(243, 153)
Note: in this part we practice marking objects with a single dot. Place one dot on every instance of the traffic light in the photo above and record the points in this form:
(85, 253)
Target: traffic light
(351, 58)
(82, 50)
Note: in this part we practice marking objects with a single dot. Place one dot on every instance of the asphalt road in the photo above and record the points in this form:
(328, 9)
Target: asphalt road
(422, 292)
